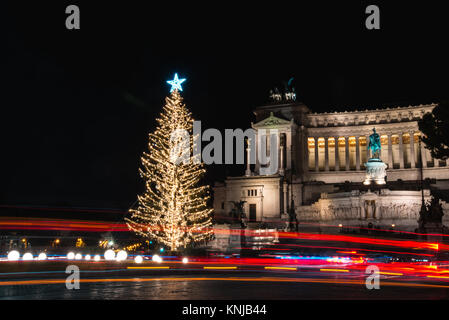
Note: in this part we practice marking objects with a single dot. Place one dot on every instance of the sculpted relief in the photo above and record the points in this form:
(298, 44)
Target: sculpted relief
(336, 209)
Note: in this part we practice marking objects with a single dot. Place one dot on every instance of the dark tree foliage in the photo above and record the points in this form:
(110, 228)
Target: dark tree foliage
(435, 127)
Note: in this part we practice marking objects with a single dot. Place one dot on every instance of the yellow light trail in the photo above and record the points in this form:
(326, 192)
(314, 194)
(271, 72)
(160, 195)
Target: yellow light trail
(391, 273)
(243, 279)
(280, 268)
(440, 277)
(334, 270)
(221, 268)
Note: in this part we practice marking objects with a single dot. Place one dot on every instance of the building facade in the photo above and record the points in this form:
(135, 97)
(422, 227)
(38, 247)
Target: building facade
(322, 168)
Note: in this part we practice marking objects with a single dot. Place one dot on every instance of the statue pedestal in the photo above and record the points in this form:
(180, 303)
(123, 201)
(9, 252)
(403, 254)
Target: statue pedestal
(375, 171)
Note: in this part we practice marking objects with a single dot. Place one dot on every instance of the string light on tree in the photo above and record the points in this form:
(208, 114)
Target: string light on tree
(173, 209)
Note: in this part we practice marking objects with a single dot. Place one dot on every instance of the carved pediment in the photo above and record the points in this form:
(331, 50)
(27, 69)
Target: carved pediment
(272, 121)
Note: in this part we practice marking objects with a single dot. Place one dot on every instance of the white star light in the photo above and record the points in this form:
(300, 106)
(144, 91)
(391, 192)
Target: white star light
(176, 83)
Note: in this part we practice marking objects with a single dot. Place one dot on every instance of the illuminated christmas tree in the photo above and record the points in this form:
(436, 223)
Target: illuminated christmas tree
(173, 209)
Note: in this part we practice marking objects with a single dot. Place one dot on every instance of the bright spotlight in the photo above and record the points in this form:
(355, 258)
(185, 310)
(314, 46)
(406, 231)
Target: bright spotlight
(121, 255)
(87, 257)
(27, 256)
(42, 256)
(185, 260)
(78, 256)
(156, 258)
(97, 257)
(109, 254)
(138, 259)
(13, 255)
(70, 255)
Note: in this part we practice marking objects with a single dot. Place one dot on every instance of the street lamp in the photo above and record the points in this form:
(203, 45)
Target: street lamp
(121, 255)
(27, 256)
(42, 256)
(13, 255)
(109, 255)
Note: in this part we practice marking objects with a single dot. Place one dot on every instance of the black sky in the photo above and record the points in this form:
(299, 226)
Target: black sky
(77, 105)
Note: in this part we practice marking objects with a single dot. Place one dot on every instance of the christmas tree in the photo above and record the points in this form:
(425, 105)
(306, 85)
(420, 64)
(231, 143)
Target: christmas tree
(173, 209)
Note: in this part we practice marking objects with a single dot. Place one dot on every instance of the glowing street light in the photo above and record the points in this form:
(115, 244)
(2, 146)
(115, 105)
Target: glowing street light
(78, 256)
(42, 256)
(121, 255)
(13, 255)
(185, 260)
(138, 259)
(27, 256)
(97, 257)
(156, 258)
(109, 255)
(70, 256)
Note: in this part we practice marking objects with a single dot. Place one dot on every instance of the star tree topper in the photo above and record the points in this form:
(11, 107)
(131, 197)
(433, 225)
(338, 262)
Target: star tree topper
(176, 83)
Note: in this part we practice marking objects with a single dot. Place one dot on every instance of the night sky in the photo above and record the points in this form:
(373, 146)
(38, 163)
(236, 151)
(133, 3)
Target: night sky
(77, 105)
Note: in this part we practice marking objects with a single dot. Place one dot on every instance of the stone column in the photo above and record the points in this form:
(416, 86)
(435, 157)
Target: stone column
(357, 154)
(268, 143)
(305, 151)
(390, 152)
(337, 155)
(362, 210)
(376, 213)
(258, 141)
(436, 163)
(248, 160)
(294, 151)
(347, 153)
(412, 150)
(288, 149)
(401, 152)
(326, 154)
(281, 160)
(317, 168)
(277, 152)
(285, 198)
(423, 155)
(306, 154)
